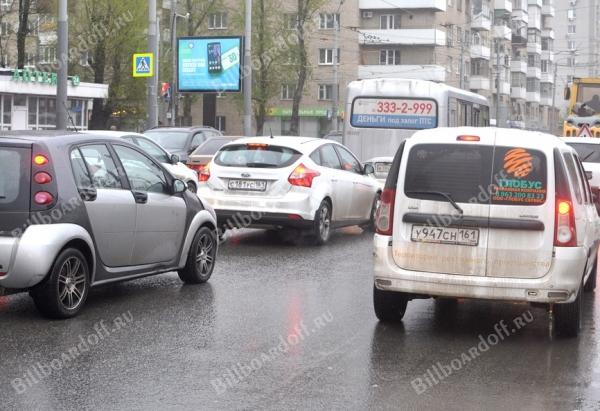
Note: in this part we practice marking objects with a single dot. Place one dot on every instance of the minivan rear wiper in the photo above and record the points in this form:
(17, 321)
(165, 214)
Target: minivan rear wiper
(588, 156)
(447, 196)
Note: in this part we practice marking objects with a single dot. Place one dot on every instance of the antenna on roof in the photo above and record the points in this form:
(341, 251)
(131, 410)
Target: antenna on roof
(70, 118)
(271, 131)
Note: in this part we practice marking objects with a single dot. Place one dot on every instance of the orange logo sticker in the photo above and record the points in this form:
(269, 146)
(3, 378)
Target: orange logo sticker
(518, 162)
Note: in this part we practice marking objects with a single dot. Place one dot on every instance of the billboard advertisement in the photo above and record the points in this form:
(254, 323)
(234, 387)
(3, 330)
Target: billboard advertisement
(209, 64)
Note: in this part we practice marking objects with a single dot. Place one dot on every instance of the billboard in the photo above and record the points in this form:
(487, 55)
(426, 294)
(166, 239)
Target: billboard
(209, 64)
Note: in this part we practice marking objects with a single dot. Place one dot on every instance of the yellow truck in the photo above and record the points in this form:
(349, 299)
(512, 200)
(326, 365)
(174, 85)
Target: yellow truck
(583, 109)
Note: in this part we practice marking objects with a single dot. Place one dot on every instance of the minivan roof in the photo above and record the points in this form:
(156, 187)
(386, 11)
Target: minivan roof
(502, 136)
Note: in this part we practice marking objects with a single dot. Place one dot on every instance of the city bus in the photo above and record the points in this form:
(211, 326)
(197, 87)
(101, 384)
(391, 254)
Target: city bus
(381, 113)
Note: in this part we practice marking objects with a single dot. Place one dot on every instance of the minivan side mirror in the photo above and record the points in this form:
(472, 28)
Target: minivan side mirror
(174, 159)
(368, 169)
(179, 187)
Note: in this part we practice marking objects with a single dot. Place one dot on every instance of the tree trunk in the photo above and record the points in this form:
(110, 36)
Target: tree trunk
(100, 111)
(22, 31)
(261, 108)
(187, 110)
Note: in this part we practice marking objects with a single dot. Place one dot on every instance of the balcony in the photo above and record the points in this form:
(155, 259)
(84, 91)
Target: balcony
(547, 55)
(533, 96)
(437, 5)
(518, 66)
(481, 22)
(518, 92)
(426, 72)
(546, 100)
(409, 37)
(547, 78)
(548, 10)
(534, 48)
(535, 21)
(502, 32)
(503, 5)
(504, 88)
(548, 33)
(479, 83)
(480, 52)
(537, 3)
(534, 72)
(520, 16)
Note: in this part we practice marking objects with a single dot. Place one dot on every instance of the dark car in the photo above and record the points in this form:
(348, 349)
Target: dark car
(181, 140)
(206, 151)
(80, 210)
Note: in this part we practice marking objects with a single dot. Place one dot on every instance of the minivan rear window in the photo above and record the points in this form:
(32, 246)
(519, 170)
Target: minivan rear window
(477, 174)
(15, 173)
(256, 156)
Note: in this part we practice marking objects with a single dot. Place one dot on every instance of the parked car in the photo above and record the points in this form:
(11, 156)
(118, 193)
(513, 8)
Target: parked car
(169, 161)
(181, 140)
(205, 152)
(381, 168)
(486, 213)
(80, 210)
(289, 182)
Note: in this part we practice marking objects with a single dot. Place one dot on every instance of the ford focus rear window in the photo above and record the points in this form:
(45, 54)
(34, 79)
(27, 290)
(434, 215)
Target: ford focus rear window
(14, 179)
(520, 177)
(459, 171)
(256, 156)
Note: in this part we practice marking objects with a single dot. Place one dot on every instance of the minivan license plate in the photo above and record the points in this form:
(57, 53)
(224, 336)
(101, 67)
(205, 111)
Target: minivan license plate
(247, 185)
(445, 235)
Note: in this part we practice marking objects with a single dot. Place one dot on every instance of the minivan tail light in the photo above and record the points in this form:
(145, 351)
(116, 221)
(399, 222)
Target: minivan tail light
(468, 138)
(303, 176)
(43, 198)
(565, 234)
(204, 173)
(384, 218)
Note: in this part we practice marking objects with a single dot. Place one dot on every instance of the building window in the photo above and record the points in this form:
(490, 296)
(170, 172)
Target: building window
(570, 79)
(327, 21)
(545, 66)
(459, 5)
(33, 27)
(450, 36)
(85, 58)
(47, 54)
(4, 28)
(389, 21)
(221, 123)
(326, 56)
(5, 112)
(449, 64)
(287, 91)
(217, 21)
(30, 59)
(571, 14)
(290, 21)
(46, 22)
(389, 57)
(571, 62)
(571, 29)
(571, 45)
(450, 3)
(325, 91)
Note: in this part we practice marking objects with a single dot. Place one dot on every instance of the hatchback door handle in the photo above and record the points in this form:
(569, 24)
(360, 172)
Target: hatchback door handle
(140, 197)
(88, 194)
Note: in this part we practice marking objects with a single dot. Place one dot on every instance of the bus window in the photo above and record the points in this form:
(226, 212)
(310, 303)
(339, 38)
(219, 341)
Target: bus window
(476, 117)
(452, 113)
(468, 116)
(485, 117)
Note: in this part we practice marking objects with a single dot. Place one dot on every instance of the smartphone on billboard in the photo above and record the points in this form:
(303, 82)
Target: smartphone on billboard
(214, 58)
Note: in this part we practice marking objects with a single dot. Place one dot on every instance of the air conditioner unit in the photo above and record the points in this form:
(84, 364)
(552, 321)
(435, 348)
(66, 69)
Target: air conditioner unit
(367, 14)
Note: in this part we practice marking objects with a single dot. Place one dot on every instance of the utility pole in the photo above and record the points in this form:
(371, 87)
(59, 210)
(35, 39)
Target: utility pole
(497, 82)
(553, 108)
(63, 67)
(248, 70)
(152, 82)
(335, 125)
(175, 76)
(461, 81)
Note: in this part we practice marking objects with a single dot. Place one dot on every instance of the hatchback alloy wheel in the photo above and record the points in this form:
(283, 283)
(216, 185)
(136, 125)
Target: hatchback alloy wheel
(205, 257)
(71, 283)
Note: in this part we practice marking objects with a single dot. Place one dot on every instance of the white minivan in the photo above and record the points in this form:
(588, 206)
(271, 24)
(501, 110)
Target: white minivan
(489, 213)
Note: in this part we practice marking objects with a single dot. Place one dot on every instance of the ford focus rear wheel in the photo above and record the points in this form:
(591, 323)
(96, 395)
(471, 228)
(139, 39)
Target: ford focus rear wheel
(201, 258)
(65, 291)
(322, 224)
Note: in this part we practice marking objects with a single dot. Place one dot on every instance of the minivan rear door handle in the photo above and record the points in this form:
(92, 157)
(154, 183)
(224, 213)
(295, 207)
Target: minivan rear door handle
(140, 197)
(88, 194)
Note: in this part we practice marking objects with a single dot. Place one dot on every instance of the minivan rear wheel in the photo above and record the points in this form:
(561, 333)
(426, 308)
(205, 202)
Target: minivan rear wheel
(201, 258)
(64, 292)
(568, 318)
(389, 306)
(590, 284)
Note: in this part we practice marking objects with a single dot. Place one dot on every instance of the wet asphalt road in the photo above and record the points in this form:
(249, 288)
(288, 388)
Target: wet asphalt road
(156, 344)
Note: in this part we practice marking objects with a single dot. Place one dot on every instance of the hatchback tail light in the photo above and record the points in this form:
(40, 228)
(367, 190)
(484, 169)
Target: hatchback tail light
(43, 198)
(303, 176)
(565, 234)
(384, 218)
(204, 173)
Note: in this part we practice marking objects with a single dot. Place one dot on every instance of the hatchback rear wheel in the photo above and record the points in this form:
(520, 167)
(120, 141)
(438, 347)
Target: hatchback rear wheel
(65, 291)
(322, 223)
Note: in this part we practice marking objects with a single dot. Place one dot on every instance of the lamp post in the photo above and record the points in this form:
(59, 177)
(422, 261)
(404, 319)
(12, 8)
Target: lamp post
(174, 87)
(63, 67)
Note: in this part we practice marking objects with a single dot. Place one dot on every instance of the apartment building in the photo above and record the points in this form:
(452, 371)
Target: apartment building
(577, 42)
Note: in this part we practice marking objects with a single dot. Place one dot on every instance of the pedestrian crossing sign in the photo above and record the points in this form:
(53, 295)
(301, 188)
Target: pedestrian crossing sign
(143, 65)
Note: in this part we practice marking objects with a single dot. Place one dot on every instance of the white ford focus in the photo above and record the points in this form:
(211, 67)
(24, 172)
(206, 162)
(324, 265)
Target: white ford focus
(289, 182)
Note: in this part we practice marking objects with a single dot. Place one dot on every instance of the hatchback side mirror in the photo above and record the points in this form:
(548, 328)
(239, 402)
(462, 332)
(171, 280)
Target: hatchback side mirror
(179, 187)
(369, 169)
(174, 159)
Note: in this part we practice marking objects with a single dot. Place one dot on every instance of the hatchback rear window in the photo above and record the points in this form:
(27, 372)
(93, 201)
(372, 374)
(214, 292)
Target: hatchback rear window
(476, 174)
(257, 156)
(15, 173)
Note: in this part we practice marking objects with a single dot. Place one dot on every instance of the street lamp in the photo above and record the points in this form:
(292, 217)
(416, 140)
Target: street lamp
(174, 88)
